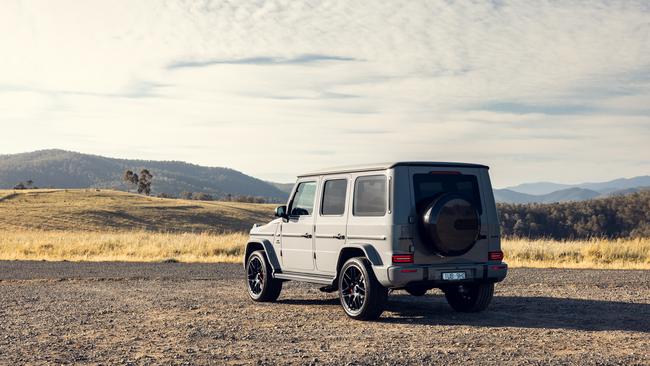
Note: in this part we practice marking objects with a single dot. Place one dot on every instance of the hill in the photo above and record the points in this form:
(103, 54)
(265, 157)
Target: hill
(618, 216)
(66, 169)
(543, 188)
(563, 195)
(509, 196)
(105, 210)
(284, 187)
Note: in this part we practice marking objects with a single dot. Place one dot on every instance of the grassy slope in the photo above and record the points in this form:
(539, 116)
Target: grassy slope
(108, 225)
(106, 210)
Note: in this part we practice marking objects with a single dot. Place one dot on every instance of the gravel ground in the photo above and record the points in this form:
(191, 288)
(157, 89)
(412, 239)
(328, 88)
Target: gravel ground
(125, 313)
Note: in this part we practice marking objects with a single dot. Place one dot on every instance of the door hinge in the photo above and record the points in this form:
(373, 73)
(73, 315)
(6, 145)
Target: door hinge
(314, 255)
(280, 252)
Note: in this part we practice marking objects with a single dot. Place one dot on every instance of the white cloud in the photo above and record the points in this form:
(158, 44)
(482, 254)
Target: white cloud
(539, 90)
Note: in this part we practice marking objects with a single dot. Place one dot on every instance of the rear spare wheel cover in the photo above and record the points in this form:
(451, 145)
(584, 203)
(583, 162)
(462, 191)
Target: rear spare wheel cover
(450, 225)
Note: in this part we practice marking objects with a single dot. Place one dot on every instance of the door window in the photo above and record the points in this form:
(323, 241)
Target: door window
(303, 201)
(370, 196)
(334, 192)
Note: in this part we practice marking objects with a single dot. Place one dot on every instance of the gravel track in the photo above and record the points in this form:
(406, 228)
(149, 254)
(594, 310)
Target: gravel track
(137, 313)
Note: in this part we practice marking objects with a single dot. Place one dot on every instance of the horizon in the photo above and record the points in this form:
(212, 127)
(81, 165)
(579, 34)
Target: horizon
(293, 181)
(553, 92)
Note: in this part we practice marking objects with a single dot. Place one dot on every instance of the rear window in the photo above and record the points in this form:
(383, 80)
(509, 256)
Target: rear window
(430, 186)
(370, 196)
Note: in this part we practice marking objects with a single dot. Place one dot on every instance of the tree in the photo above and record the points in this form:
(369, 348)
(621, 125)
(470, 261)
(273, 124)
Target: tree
(613, 217)
(131, 178)
(186, 195)
(144, 183)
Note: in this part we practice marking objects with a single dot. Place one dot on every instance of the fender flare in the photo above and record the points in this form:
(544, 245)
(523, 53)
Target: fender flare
(369, 250)
(269, 251)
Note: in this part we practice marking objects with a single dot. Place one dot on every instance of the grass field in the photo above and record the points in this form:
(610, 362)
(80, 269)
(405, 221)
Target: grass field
(135, 246)
(142, 246)
(107, 210)
(595, 253)
(101, 225)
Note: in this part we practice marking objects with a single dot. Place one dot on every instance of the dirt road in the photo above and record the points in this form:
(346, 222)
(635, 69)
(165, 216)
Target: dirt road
(119, 313)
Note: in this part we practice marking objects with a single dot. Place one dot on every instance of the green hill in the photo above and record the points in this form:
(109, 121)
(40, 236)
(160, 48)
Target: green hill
(65, 169)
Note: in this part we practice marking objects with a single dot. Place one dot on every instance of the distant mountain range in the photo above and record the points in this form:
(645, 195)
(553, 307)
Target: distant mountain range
(540, 188)
(66, 169)
(548, 192)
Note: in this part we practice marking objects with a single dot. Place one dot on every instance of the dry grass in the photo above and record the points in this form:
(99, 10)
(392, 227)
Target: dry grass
(104, 225)
(107, 210)
(137, 246)
(594, 253)
(145, 246)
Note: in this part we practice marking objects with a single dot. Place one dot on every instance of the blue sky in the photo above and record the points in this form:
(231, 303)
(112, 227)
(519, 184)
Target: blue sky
(538, 90)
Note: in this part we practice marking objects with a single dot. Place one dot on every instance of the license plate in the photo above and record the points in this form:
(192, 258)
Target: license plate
(453, 276)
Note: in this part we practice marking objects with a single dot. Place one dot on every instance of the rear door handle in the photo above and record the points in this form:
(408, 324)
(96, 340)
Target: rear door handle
(339, 236)
(307, 235)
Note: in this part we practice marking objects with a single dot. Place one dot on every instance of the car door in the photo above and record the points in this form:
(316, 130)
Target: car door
(331, 223)
(298, 229)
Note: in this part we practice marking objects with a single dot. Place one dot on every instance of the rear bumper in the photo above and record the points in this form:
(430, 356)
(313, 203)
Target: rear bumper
(431, 275)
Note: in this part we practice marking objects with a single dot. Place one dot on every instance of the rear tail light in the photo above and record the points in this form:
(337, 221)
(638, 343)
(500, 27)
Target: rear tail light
(402, 258)
(495, 256)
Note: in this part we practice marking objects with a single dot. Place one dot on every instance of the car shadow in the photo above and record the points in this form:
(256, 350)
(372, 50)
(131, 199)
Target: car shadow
(513, 311)
(524, 312)
(332, 301)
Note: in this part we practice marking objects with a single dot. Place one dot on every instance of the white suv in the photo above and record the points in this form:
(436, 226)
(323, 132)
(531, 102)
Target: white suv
(364, 230)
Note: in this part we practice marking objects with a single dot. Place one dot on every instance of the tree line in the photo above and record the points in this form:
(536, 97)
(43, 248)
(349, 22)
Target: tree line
(613, 217)
(202, 196)
(28, 184)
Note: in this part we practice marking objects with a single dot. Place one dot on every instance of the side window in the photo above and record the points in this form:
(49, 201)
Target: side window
(334, 197)
(303, 201)
(370, 196)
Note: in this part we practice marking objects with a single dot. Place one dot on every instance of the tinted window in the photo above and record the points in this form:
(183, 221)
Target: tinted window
(370, 196)
(303, 200)
(431, 186)
(334, 197)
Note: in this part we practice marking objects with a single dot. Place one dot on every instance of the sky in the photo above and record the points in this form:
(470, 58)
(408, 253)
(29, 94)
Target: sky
(538, 90)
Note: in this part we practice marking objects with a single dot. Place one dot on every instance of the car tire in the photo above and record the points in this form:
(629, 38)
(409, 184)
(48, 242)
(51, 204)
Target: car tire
(362, 296)
(262, 287)
(470, 298)
(416, 290)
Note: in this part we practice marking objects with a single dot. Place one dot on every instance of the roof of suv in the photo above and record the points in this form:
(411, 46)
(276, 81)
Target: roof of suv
(383, 166)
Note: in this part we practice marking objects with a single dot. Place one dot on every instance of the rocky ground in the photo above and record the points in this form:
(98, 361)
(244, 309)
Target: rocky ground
(120, 313)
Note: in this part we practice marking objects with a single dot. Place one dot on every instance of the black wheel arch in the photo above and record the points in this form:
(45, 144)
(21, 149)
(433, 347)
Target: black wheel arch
(356, 250)
(267, 248)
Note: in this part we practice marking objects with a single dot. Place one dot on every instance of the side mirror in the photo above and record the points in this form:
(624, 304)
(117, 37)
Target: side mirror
(281, 211)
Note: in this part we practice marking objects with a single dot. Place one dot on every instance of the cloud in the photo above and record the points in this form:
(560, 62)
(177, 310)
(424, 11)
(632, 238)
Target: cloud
(522, 108)
(261, 60)
(241, 83)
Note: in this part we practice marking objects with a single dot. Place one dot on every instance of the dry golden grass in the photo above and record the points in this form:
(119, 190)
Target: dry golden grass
(142, 246)
(136, 246)
(104, 225)
(594, 253)
(107, 210)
